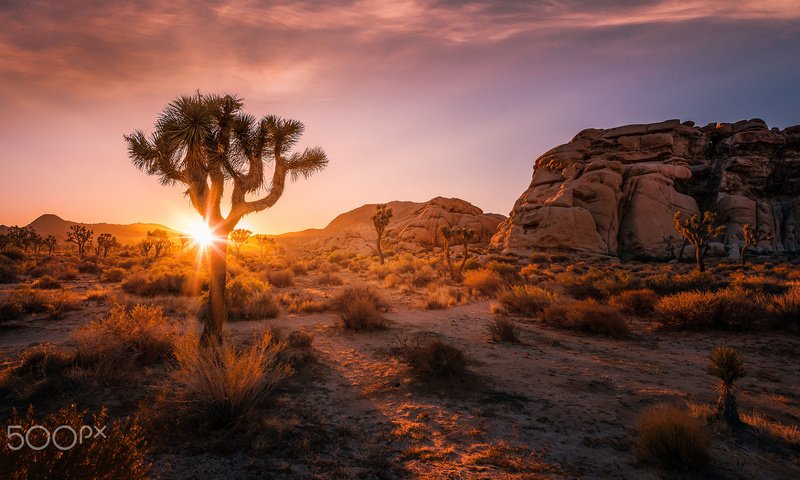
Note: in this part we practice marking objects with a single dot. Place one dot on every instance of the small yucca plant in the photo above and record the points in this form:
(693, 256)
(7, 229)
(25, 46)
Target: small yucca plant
(728, 366)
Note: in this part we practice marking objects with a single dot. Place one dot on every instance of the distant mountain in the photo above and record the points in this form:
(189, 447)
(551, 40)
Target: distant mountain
(49, 224)
(413, 224)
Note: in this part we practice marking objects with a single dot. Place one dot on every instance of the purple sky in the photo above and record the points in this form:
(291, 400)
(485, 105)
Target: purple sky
(410, 99)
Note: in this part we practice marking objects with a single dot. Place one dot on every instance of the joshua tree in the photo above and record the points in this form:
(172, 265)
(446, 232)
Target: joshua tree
(80, 236)
(452, 236)
(106, 242)
(159, 240)
(239, 237)
(751, 238)
(203, 141)
(728, 366)
(50, 243)
(265, 242)
(698, 233)
(22, 237)
(145, 246)
(381, 220)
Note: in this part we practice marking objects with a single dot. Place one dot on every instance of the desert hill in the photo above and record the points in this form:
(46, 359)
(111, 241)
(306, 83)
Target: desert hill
(413, 225)
(49, 224)
(614, 191)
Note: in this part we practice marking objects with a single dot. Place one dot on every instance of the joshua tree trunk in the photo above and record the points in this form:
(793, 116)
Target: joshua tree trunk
(449, 262)
(742, 256)
(217, 314)
(464, 260)
(698, 255)
(727, 409)
(380, 250)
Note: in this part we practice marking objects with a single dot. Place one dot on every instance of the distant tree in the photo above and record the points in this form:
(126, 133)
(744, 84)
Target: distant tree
(145, 245)
(106, 242)
(202, 141)
(184, 239)
(4, 242)
(22, 237)
(50, 243)
(37, 242)
(239, 237)
(381, 219)
(752, 237)
(159, 240)
(728, 366)
(266, 243)
(456, 236)
(698, 233)
(80, 236)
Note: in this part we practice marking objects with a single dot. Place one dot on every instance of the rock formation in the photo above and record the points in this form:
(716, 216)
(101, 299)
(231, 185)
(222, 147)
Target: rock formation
(413, 226)
(615, 191)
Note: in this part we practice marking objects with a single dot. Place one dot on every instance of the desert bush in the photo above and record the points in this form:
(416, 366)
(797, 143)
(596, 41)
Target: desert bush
(280, 278)
(14, 254)
(665, 283)
(503, 329)
(156, 283)
(423, 275)
(635, 302)
(11, 310)
(299, 269)
(759, 284)
(723, 309)
(360, 308)
(672, 438)
(112, 275)
(248, 298)
(126, 337)
(97, 296)
(300, 339)
(46, 283)
(8, 274)
(440, 298)
(55, 305)
(588, 316)
(597, 284)
(67, 274)
(89, 266)
(434, 357)
(525, 300)
(218, 385)
(784, 309)
(483, 281)
(122, 454)
(329, 279)
(295, 302)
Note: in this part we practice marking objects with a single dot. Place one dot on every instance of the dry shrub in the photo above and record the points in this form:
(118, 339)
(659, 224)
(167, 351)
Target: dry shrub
(248, 298)
(8, 274)
(296, 302)
(507, 270)
(328, 278)
(512, 458)
(503, 329)
(723, 309)
(434, 357)
(152, 284)
(281, 278)
(758, 284)
(361, 313)
(97, 296)
(46, 283)
(672, 438)
(218, 385)
(785, 309)
(25, 300)
(525, 300)
(121, 455)
(483, 281)
(125, 338)
(596, 283)
(588, 316)
(112, 275)
(441, 298)
(640, 302)
(667, 283)
(299, 269)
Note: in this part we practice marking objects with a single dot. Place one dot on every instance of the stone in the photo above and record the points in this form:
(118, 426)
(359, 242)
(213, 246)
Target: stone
(614, 191)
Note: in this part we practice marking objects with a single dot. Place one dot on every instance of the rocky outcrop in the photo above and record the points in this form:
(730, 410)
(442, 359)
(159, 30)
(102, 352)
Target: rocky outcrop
(413, 226)
(614, 191)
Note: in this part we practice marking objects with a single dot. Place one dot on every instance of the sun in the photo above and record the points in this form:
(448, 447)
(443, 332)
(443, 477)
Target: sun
(201, 234)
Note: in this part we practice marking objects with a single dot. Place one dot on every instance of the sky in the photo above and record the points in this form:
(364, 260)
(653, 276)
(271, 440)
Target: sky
(410, 99)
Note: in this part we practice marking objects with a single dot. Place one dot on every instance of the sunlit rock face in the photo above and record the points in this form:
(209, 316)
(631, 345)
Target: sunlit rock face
(614, 192)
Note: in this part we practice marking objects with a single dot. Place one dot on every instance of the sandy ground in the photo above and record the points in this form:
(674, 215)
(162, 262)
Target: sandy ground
(563, 400)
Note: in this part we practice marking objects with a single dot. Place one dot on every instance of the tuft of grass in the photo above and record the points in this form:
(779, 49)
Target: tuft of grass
(640, 302)
(588, 316)
(483, 281)
(671, 437)
(525, 300)
(121, 455)
(46, 283)
(502, 329)
(434, 357)
(785, 309)
(329, 278)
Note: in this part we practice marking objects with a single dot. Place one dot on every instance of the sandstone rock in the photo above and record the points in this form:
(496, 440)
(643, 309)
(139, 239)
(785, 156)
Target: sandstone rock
(615, 191)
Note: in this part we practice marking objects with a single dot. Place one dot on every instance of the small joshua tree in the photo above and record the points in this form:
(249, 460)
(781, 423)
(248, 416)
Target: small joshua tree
(239, 237)
(106, 242)
(728, 366)
(452, 236)
(266, 243)
(145, 246)
(698, 233)
(50, 243)
(381, 219)
(80, 236)
(160, 242)
(752, 237)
